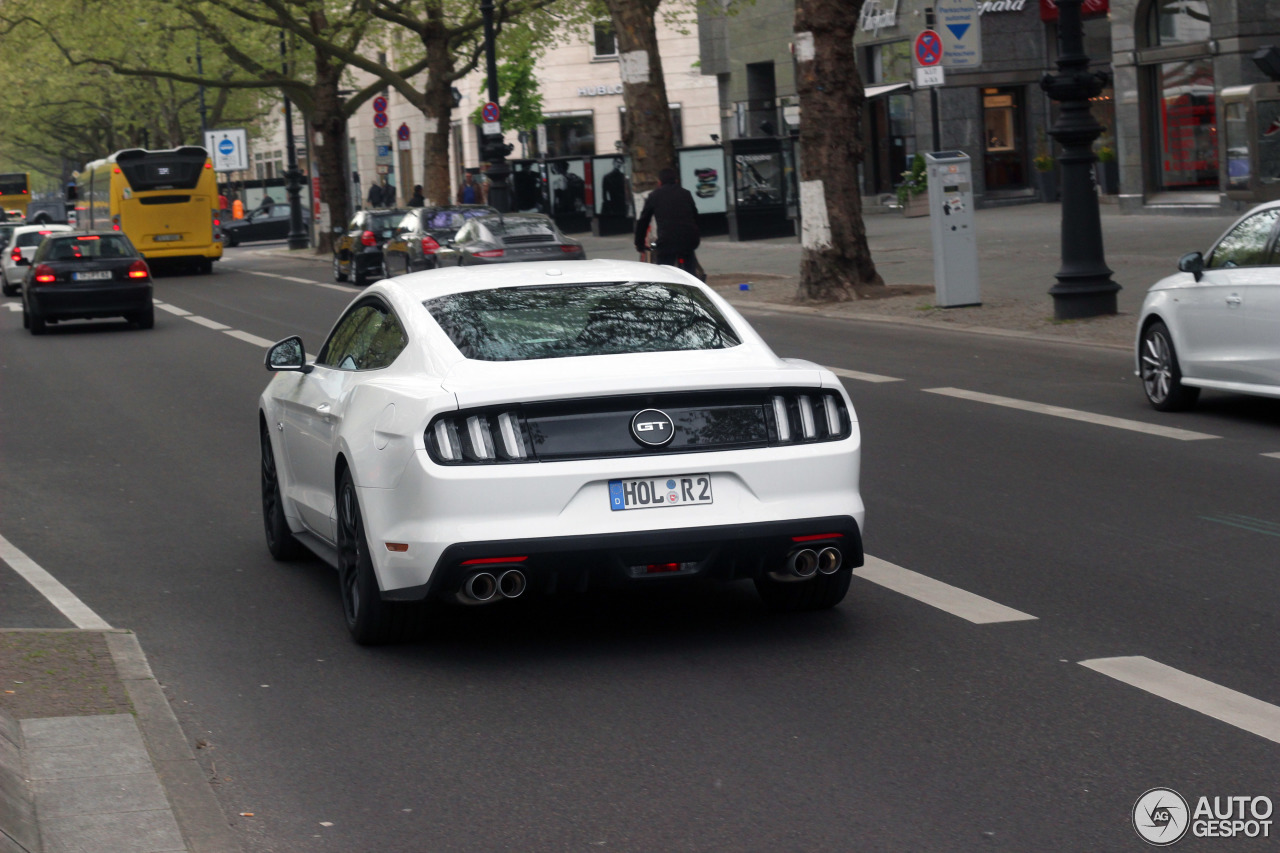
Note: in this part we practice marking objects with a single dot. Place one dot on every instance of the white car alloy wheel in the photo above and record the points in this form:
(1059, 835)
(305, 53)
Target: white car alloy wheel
(1161, 376)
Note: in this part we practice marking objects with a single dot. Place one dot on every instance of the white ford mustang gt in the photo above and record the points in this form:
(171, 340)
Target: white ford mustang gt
(469, 433)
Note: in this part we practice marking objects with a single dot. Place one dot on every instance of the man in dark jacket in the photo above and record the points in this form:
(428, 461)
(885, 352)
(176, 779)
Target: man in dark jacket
(676, 214)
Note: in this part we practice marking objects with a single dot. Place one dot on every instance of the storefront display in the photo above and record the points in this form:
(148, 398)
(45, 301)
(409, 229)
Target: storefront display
(611, 184)
(702, 173)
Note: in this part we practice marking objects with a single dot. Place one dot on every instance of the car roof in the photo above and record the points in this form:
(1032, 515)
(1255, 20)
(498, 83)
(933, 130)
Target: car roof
(421, 286)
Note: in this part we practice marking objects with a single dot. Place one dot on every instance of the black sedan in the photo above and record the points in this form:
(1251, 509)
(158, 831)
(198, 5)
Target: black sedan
(417, 241)
(357, 249)
(509, 238)
(260, 224)
(75, 275)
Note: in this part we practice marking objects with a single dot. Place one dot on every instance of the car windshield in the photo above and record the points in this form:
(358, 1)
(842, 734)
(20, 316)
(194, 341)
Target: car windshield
(91, 246)
(562, 321)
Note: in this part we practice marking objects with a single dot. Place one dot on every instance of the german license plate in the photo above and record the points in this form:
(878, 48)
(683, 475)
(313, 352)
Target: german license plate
(675, 490)
(92, 275)
(167, 238)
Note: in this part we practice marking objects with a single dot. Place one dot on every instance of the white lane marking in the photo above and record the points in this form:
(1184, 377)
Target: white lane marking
(1072, 414)
(206, 322)
(862, 377)
(1272, 455)
(14, 306)
(299, 280)
(248, 338)
(953, 600)
(172, 309)
(263, 274)
(1213, 700)
(50, 587)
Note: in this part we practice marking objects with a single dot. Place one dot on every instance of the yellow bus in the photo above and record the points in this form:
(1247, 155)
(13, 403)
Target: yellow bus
(164, 201)
(15, 192)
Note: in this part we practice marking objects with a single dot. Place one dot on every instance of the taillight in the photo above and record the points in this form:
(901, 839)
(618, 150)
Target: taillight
(429, 245)
(44, 274)
(489, 437)
(568, 249)
(490, 253)
(138, 269)
(808, 416)
(368, 239)
(15, 255)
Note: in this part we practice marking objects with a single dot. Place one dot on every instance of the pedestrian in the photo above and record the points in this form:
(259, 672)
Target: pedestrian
(375, 195)
(471, 191)
(237, 209)
(672, 208)
(266, 204)
(222, 200)
(417, 200)
(388, 193)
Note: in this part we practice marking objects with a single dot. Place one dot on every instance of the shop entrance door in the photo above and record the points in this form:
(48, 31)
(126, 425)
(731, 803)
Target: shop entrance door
(1004, 149)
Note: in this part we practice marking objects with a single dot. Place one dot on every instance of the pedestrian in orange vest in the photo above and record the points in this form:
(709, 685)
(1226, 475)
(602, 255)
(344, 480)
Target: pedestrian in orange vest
(237, 209)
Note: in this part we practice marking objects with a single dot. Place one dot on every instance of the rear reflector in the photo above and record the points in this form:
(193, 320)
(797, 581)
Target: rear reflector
(490, 253)
(398, 546)
(817, 536)
(488, 561)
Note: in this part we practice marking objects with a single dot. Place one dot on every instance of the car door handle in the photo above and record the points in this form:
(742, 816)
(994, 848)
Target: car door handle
(323, 411)
(1234, 300)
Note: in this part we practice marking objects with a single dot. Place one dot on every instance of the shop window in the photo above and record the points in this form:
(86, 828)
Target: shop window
(571, 135)
(605, 41)
(1187, 140)
(1004, 147)
(1178, 22)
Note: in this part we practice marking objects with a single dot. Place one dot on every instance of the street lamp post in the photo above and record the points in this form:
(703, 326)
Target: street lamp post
(492, 147)
(1084, 287)
(292, 177)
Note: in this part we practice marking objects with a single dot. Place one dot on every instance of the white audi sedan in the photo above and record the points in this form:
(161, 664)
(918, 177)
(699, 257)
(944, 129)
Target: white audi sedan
(1216, 322)
(468, 434)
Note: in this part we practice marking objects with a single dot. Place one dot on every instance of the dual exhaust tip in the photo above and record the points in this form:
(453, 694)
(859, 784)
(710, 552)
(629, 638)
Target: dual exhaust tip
(804, 563)
(484, 587)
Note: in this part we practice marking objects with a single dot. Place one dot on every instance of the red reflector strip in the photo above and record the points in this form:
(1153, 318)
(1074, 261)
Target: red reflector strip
(817, 537)
(657, 568)
(397, 546)
(90, 237)
(481, 561)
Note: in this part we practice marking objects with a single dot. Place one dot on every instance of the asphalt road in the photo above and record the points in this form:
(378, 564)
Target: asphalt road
(690, 721)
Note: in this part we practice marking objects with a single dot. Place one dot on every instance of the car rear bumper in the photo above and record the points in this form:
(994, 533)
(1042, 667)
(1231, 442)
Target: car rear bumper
(63, 302)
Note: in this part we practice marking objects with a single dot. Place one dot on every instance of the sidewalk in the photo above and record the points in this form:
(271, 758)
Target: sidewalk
(92, 758)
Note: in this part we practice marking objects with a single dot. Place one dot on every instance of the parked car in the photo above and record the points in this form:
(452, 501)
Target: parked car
(1216, 322)
(6, 232)
(357, 249)
(465, 434)
(77, 275)
(506, 238)
(260, 224)
(17, 255)
(417, 241)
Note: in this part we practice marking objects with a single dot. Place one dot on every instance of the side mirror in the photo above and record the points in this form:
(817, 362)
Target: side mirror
(1192, 262)
(288, 355)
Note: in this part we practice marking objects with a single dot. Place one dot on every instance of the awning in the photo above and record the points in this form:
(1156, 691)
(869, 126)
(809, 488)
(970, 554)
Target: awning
(876, 91)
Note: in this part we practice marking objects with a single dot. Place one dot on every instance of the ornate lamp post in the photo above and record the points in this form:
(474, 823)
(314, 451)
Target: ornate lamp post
(492, 148)
(1084, 287)
(292, 176)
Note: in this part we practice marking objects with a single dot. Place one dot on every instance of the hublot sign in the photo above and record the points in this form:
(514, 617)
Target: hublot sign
(593, 91)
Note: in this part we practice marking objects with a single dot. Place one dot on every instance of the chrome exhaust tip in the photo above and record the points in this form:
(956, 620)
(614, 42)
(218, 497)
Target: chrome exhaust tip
(511, 583)
(803, 562)
(829, 561)
(480, 587)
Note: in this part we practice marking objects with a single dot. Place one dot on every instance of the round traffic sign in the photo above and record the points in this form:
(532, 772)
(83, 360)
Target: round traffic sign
(402, 132)
(928, 48)
(379, 104)
(379, 119)
(226, 148)
(490, 112)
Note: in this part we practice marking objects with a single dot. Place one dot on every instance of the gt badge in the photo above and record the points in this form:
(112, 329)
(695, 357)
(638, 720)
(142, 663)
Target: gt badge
(652, 427)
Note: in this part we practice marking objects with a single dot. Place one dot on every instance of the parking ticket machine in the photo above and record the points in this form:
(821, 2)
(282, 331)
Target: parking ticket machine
(1252, 141)
(955, 246)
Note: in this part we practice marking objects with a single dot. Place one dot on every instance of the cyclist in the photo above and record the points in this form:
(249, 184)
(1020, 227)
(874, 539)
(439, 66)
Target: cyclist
(673, 209)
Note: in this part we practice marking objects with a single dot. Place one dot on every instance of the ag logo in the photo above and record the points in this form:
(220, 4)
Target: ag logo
(652, 427)
(1161, 817)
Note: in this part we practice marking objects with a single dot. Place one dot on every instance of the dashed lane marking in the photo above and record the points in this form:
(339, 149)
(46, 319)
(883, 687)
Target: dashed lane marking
(172, 309)
(862, 377)
(299, 280)
(51, 588)
(935, 593)
(207, 323)
(14, 306)
(1190, 691)
(1072, 414)
(249, 339)
(1272, 455)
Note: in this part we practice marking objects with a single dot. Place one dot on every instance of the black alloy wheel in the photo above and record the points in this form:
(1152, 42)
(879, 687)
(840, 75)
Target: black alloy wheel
(280, 539)
(1161, 375)
(338, 274)
(821, 592)
(370, 620)
(144, 319)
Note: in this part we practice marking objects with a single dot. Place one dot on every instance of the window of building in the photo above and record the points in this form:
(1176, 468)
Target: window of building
(1178, 22)
(569, 134)
(604, 43)
(1004, 146)
(677, 124)
(1180, 101)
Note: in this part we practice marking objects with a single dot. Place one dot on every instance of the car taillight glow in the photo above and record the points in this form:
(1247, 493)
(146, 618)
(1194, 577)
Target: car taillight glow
(44, 274)
(368, 239)
(490, 253)
(16, 254)
(138, 269)
(44, 233)
(567, 249)
(429, 245)
(90, 237)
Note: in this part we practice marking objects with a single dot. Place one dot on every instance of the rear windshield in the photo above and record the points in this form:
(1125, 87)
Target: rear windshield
(13, 183)
(92, 246)
(162, 170)
(30, 238)
(521, 323)
(519, 227)
(383, 222)
(437, 220)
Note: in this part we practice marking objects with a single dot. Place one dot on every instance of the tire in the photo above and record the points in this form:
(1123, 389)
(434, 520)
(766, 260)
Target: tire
(145, 319)
(821, 592)
(338, 274)
(10, 289)
(358, 277)
(35, 322)
(231, 242)
(1161, 375)
(280, 539)
(205, 267)
(370, 620)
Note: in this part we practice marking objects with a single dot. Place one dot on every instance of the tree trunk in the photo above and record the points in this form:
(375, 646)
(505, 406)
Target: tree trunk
(647, 132)
(835, 260)
(328, 120)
